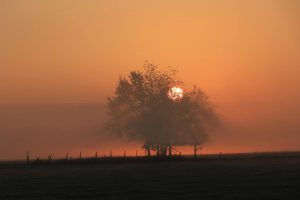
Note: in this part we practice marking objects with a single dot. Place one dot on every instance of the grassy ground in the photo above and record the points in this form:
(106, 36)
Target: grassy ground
(235, 177)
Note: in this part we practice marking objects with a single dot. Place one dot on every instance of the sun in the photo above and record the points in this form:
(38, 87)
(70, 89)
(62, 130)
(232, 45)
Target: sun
(175, 93)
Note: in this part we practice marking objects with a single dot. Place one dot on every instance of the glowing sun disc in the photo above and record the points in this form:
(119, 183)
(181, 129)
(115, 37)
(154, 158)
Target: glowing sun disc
(175, 93)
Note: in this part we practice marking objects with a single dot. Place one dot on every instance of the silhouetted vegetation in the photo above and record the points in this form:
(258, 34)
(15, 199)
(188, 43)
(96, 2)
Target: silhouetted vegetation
(175, 158)
(141, 109)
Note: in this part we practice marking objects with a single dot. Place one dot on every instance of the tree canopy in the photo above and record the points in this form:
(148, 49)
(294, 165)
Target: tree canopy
(141, 110)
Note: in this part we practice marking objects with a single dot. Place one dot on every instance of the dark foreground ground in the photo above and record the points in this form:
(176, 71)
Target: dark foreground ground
(228, 178)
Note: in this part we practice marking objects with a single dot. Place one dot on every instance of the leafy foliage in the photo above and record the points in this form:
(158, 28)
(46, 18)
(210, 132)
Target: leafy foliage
(141, 110)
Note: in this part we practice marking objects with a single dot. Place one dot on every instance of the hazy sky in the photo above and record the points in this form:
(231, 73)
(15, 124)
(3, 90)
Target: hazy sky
(244, 54)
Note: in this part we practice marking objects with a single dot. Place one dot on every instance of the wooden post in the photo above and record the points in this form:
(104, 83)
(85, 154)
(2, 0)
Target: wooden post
(80, 155)
(220, 155)
(180, 154)
(50, 157)
(27, 158)
(96, 155)
(124, 154)
(67, 156)
(195, 151)
(110, 154)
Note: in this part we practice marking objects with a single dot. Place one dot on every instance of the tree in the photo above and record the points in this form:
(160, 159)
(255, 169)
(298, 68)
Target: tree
(141, 109)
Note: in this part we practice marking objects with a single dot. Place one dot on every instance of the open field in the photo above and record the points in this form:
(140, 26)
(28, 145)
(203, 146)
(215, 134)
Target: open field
(232, 177)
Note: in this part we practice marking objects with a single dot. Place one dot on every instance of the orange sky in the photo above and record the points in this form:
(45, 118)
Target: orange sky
(244, 54)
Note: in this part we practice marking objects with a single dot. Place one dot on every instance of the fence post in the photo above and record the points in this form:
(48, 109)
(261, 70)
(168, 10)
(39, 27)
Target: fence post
(27, 158)
(50, 157)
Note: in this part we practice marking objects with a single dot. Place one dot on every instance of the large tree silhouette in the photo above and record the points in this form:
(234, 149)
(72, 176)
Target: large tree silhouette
(141, 109)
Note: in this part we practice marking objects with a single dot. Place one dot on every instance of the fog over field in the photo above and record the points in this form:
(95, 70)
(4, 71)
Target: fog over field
(60, 128)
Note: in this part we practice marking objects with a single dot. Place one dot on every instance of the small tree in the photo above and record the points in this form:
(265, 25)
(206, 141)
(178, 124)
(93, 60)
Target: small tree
(142, 110)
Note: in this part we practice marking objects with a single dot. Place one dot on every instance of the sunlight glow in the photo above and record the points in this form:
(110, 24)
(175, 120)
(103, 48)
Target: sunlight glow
(175, 93)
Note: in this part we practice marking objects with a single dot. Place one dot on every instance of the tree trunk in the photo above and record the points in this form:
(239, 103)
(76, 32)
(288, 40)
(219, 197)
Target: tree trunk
(148, 152)
(170, 151)
(158, 151)
(163, 150)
